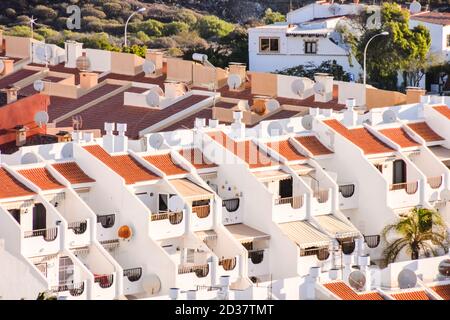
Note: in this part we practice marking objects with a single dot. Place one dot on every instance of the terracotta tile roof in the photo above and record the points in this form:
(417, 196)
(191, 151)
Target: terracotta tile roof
(16, 76)
(443, 291)
(360, 137)
(410, 295)
(165, 163)
(313, 145)
(440, 18)
(444, 110)
(10, 187)
(282, 114)
(424, 130)
(124, 165)
(137, 78)
(400, 137)
(197, 158)
(42, 178)
(72, 172)
(344, 292)
(286, 149)
(61, 68)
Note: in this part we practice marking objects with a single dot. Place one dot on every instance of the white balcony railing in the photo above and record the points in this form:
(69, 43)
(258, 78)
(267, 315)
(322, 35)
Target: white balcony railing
(49, 234)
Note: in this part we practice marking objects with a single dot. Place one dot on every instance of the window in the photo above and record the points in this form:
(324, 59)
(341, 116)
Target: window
(163, 203)
(399, 172)
(268, 45)
(311, 47)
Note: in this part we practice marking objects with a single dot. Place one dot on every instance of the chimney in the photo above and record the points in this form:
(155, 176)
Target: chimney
(73, 51)
(199, 123)
(238, 127)
(425, 100)
(312, 279)
(156, 57)
(8, 67)
(109, 138)
(63, 136)
(121, 140)
(21, 135)
(327, 85)
(333, 273)
(76, 136)
(173, 89)
(88, 136)
(359, 243)
(413, 94)
(350, 115)
(239, 69)
(364, 263)
(213, 123)
(347, 266)
(88, 80)
(11, 94)
(173, 293)
(225, 285)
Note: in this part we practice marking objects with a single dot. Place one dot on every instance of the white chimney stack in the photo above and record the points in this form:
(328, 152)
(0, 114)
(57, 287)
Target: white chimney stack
(88, 136)
(333, 273)
(347, 259)
(73, 51)
(238, 127)
(364, 263)
(173, 293)
(312, 279)
(121, 140)
(350, 115)
(191, 295)
(199, 123)
(213, 123)
(425, 99)
(327, 82)
(109, 138)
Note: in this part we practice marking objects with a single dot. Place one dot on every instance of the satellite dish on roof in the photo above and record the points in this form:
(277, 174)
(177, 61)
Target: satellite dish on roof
(156, 141)
(234, 81)
(298, 86)
(307, 121)
(153, 98)
(275, 128)
(407, 279)
(174, 138)
(444, 268)
(272, 105)
(176, 203)
(149, 67)
(357, 280)
(2, 66)
(44, 52)
(319, 88)
(389, 116)
(415, 7)
(38, 85)
(41, 118)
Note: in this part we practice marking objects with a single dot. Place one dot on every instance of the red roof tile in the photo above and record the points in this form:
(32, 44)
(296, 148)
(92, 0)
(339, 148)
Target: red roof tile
(72, 172)
(286, 149)
(360, 137)
(165, 163)
(313, 145)
(444, 110)
(424, 130)
(197, 158)
(124, 165)
(400, 137)
(15, 77)
(443, 291)
(10, 187)
(42, 178)
(411, 295)
(344, 292)
(440, 18)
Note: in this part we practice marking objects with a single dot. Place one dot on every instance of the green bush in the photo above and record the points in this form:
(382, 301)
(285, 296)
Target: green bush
(270, 17)
(10, 13)
(175, 27)
(210, 26)
(47, 32)
(112, 9)
(45, 13)
(141, 35)
(91, 11)
(187, 16)
(152, 28)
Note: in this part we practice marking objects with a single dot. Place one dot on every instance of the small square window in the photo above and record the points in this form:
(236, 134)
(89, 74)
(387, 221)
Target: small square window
(268, 45)
(310, 47)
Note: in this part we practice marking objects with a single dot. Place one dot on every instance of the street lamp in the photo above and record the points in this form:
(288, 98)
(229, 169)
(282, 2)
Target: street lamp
(203, 58)
(126, 24)
(384, 33)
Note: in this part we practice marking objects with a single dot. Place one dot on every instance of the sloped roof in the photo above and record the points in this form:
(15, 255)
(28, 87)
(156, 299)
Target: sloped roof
(400, 137)
(424, 130)
(72, 172)
(343, 291)
(286, 149)
(444, 110)
(190, 190)
(10, 187)
(42, 178)
(313, 145)
(243, 233)
(439, 18)
(442, 290)
(165, 163)
(336, 227)
(410, 295)
(196, 157)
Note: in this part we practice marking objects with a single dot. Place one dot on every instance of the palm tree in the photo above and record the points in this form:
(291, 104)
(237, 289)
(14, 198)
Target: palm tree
(422, 230)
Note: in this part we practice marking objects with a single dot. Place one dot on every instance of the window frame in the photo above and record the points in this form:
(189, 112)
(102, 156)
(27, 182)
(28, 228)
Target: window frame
(270, 39)
(308, 44)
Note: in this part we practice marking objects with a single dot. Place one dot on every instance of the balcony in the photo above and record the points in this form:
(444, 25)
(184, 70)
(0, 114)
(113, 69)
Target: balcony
(200, 271)
(104, 281)
(74, 289)
(231, 204)
(49, 234)
(166, 224)
(256, 256)
(295, 202)
(321, 253)
(321, 195)
(403, 195)
(78, 235)
(78, 227)
(372, 241)
(347, 196)
(435, 182)
(107, 220)
(228, 264)
(173, 217)
(409, 187)
(201, 211)
(347, 190)
(133, 274)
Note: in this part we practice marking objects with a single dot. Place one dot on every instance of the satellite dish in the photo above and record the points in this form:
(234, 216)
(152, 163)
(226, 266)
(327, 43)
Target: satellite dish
(2, 66)
(153, 98)
(176, 203)
(444, 268)
(298, 86)
(407, 279)
(272, 105)
(38, 85)
(44, 52)
(389, 116)
(234, 81)
(307, 121)
(156, 141)
(445, 195)
(41, 118)
(149, 67)
(77, 122)
(319, 88)
(174, 138)
(357, 280)
(415, 7)
(243, 105)
(275, 129)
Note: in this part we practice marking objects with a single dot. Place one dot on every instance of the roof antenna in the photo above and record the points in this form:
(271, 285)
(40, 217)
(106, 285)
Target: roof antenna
(32, 21)
(290, 5)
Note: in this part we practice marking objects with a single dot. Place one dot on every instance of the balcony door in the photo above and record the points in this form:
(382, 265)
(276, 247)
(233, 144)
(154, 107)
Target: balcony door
(39, 217)
(285, 190)
(163, 202)
(65, 270)
(399, 172)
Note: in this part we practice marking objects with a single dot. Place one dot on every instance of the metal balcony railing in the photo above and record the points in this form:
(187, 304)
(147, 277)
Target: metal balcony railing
(75, 289)
(321, 195)
(231, 204)
(347, 190)
(228, 264)
(200, 271)
(409, 187)
(49, 234)
(435, 182)
(295, 202)
(78, 227)
(107, 220)
(202, 211)
(256, 256)
(321, 253)
(104, 281)
(372, 241)
(133, 274)
(173, 217)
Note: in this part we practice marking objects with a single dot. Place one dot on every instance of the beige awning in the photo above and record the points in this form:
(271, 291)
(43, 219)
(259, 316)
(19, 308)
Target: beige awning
(189, 190)
(271, 175)
(302, 169)
(244, 233)
(206, 235)
(337, 227)
(304, 234)
(441, 153)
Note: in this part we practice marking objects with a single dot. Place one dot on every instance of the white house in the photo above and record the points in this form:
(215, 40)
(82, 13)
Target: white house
(308, 35)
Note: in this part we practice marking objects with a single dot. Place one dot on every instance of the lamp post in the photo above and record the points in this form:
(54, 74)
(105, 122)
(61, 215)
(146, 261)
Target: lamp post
(128, 20)
(203, 58)
(384, 33)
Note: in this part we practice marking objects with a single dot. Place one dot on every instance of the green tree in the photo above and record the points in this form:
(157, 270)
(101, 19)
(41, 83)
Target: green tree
(212, 26)
(151, 27)
(23, 31)
(142, 36)
(270, 17)
(45, 13)
(137, 50)
(175, 27)
(421, 231)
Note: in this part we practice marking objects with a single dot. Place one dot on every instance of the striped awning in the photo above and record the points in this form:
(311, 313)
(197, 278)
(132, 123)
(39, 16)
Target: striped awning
(244, 234)
(206, 235)
(337, 227)
(18, 204)
(189, 190)
(271, 175)
(304, 234)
